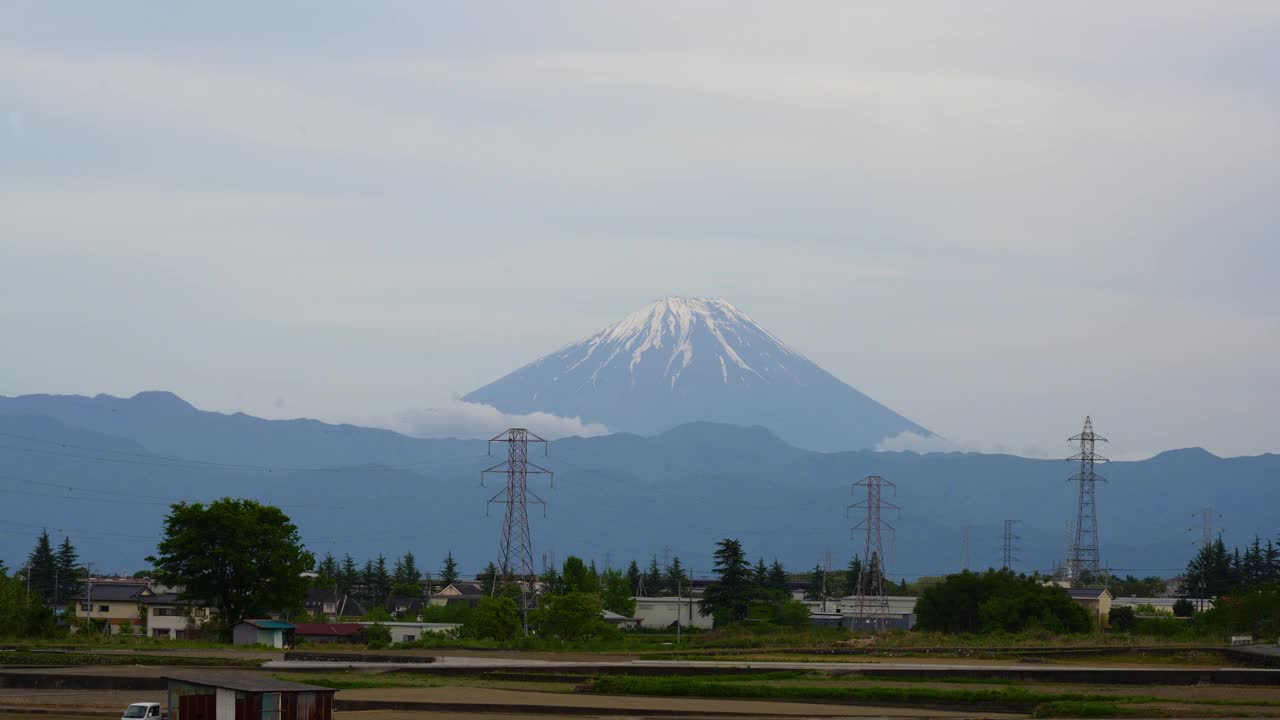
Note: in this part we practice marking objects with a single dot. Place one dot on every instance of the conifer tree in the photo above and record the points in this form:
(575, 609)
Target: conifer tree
(348, 576)
(676, 579)
(777, 576)
(367, 589)
(853, 574)
(653, 578)
(488, 579)
(42, 569)
(817, 584)
(729, 597)
(760, 576)
(68, 572)
(327, 571)
(634, 577)
(381, 581)
(449, 573)
(407, 569)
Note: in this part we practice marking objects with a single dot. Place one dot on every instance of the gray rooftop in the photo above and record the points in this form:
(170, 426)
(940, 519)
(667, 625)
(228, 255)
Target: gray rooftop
(243, 681)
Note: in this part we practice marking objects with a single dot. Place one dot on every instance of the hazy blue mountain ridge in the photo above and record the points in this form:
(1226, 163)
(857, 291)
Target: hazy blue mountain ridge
(372, 491)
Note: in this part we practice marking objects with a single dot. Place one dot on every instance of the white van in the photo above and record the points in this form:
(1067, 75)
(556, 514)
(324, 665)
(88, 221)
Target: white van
(141, 711)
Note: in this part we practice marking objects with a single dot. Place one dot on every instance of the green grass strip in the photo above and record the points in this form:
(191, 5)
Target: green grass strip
(1092, 709)
(697, 687)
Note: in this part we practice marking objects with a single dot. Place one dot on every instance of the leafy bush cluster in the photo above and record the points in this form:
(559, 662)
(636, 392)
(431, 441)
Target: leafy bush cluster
(998, 601)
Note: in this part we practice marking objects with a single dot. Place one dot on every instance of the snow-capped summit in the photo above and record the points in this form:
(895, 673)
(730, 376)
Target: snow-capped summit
(679, 360)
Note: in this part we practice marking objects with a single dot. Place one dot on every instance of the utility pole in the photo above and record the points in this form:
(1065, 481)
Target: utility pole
(1086, 555)
(869, 598)
(966, 547)
(679, 610)
(516, 545)
(1008, 545)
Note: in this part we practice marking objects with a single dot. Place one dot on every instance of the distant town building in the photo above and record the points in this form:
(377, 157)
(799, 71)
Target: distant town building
(663, 612)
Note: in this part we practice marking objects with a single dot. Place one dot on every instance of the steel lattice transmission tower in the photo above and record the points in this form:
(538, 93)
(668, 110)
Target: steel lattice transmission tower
(870, 601)
(1207, 516)
(1008, 545)
(515, 552)
(1085, 554)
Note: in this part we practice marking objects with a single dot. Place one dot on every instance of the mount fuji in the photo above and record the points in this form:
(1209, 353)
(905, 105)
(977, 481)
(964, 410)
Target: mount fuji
(681, 360)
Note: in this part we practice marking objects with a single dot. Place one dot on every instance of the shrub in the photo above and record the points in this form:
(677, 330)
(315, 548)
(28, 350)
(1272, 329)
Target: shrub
(377, 636)
(793, 613)
(1184, 608)
(1123, 619)
(998, 600)
(572, 616)
(494, 618)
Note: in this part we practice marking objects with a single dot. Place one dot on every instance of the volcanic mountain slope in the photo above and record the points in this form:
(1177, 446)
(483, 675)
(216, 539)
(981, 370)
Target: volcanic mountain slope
(685, 359)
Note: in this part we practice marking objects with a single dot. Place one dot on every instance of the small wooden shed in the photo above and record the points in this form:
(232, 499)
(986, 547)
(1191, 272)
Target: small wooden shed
(245, 696)
(272, 633)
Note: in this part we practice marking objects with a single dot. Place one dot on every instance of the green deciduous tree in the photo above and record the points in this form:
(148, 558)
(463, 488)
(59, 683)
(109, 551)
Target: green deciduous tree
(617, 594)
(729, 597)
(572, 616)
(494, 618)
(377, 636)
(998, 600)
(244, 557)
(22, 616)
(578, 578)
(793, 613)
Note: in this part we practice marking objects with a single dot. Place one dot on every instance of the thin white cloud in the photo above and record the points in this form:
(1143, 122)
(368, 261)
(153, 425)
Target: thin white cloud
(460, 419)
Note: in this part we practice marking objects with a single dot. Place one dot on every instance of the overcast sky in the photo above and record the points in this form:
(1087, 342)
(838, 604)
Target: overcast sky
(992, 217)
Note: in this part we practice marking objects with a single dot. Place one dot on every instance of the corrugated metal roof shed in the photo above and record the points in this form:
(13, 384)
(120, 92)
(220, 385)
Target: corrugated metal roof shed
(243, 681)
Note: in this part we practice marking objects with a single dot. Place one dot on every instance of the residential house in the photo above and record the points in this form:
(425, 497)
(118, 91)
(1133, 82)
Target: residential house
(331, 604)
(117, 604)
(171, 616)
(406, 608)
(469, 593)
(212, 695)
